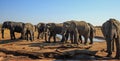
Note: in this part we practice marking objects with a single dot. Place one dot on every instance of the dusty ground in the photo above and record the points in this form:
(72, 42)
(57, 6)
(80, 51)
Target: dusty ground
(22, 50)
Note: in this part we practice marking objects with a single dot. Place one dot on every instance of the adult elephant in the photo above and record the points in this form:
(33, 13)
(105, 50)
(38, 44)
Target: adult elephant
(53, 29)
(92, 32)
(111, 32)
(40, 28)
(13, 27)
(76, 30)
(28, 30)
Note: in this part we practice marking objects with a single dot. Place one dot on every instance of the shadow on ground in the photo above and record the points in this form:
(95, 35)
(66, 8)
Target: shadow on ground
(8, 41)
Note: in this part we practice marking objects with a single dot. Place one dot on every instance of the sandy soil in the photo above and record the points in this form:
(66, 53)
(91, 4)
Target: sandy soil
(22, 50)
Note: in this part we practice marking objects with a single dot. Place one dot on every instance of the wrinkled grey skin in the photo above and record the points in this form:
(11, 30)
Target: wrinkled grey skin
(105, 30)
(52, 29)
(111, 32)
(13, 27)
(76, 30)
(28, 30)
(92, 32)
(40, 28)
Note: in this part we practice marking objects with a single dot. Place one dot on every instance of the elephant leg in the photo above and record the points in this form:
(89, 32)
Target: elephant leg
(2, 33)
(54, 37)
(27, 36)
(106, 45)
(113, 44)
(80, 39)
(86, 38)
(71, 37)
(46, 37)
(31, 35)
(63, 38)
(91, 37)
(66, 37)
(49, 38)
(38, 35)
(11, 35)
(91, 40)
(42, 34)
(75, 38)
(14, 35)
(109, 42)
(117, 41)
(21, 37)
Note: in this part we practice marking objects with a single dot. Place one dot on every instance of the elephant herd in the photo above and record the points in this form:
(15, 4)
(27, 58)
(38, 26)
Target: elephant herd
(69, 29)
(74, 29)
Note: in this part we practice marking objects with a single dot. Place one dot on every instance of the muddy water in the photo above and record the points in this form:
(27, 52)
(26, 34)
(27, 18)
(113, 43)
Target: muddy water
(94, 39)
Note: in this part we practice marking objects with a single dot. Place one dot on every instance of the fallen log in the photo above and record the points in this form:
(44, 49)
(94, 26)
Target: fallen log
(33, 55)
(68, 46)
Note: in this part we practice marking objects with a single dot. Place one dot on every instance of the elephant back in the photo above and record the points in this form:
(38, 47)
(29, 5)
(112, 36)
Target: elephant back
(6, 24)
(54, 27)
(111, 24)
(18, 26)
(29, 26)
(13, 26)
(83, 27)
(40, 26)
(59, 24)
(70, 25)
(92, 28)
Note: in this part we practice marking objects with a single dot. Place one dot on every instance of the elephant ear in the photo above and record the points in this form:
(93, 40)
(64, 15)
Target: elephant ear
(117, 26)
(73, 25)
(105, 29)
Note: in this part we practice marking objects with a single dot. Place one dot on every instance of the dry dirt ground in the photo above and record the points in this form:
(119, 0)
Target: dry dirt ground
(23, 50)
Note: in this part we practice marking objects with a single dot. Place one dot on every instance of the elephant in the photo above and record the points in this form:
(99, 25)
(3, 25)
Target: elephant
(111, 32)
(13, 27)
(76, 29)
(92, 32)
(52, 29)
(105, 30)
(28, 30)
(40, 28)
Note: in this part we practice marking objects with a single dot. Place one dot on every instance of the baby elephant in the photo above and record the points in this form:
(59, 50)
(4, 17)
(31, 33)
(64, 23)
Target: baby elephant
(28, 30)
